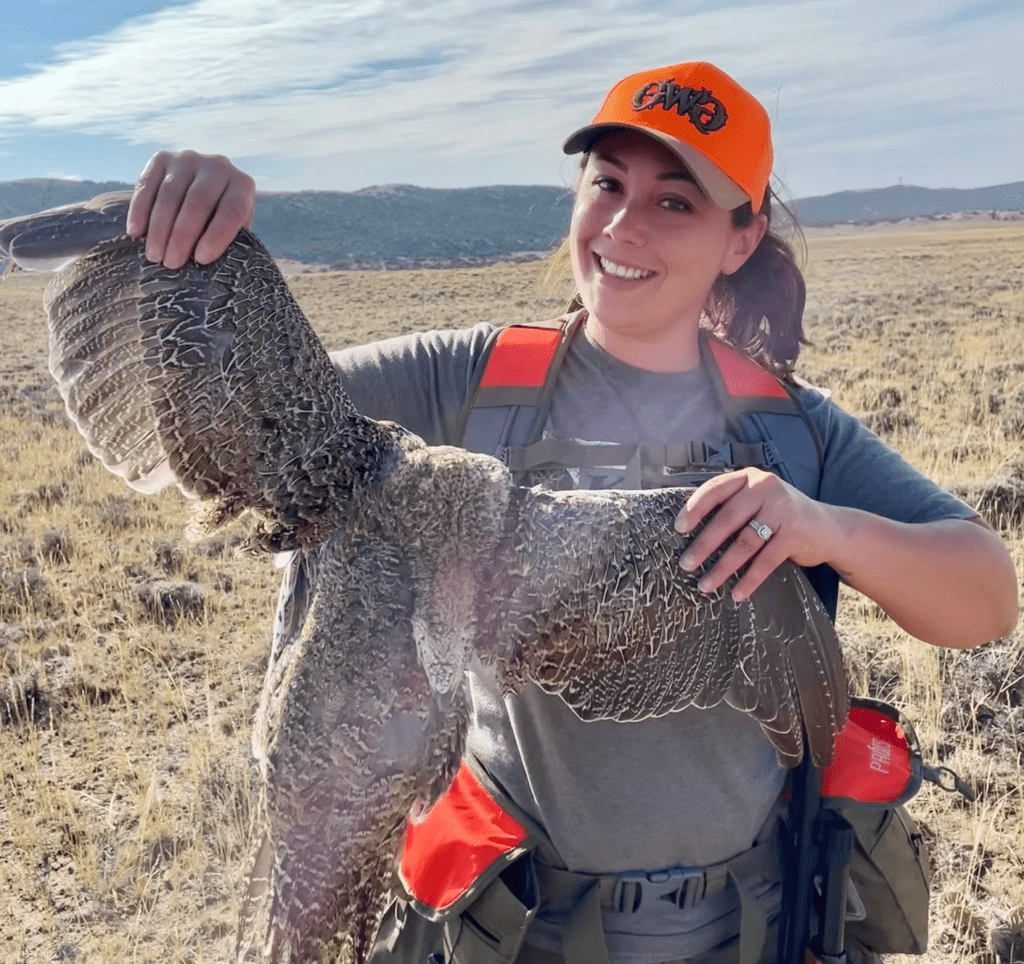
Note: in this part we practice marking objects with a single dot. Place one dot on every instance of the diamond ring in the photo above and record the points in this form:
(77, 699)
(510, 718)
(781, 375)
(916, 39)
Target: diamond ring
(763, 530)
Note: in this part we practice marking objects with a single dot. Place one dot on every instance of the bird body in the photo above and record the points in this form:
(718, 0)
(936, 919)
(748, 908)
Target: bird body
(406, 561)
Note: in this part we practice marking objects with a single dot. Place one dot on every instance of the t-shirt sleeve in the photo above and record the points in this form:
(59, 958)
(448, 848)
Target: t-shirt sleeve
(420, 381)
(862, 472)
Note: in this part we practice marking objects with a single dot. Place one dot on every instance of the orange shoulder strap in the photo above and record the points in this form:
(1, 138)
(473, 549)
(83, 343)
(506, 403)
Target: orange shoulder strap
(742, 377)
(513, 386)
(521, 355)
(521, 362)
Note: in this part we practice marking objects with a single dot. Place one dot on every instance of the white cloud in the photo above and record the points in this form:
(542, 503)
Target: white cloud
(451, 85)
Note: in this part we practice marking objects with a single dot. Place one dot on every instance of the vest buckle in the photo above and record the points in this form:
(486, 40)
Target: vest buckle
(690, 884)
(683, 886)
(702, 454)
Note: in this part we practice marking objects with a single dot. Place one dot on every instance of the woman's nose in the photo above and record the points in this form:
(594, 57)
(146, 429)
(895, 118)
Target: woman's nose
(625, 225)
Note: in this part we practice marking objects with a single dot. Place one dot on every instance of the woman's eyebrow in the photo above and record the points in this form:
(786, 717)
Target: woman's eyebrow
(609, 159)
(680, 174)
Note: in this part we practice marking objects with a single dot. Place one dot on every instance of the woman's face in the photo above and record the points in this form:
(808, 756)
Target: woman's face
(646, 243)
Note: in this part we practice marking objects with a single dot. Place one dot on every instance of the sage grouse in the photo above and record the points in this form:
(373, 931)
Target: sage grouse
(407, 560)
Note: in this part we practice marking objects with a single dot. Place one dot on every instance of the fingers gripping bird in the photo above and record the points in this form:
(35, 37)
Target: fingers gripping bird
(406, 560)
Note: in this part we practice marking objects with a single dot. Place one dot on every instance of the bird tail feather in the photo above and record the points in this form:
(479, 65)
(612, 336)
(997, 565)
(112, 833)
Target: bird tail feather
(256, 895)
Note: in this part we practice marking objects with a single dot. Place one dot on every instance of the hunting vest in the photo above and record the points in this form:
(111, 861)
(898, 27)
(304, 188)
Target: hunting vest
(455, 858)
(460, 868)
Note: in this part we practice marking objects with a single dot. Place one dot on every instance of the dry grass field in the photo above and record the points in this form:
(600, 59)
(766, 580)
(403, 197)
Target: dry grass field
(131, 661)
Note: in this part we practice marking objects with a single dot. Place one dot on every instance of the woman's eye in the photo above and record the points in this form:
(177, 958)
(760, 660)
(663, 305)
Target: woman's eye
(676, 204)
(604, 183)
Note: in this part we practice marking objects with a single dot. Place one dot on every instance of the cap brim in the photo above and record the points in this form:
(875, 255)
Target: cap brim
(717, 185)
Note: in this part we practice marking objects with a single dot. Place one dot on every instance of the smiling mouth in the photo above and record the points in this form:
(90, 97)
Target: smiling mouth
(621, 271)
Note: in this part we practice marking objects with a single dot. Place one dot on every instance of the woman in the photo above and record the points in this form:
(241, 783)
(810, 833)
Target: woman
(670, 226)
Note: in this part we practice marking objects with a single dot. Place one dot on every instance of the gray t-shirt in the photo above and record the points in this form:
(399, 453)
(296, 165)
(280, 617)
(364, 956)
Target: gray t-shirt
(691, 788)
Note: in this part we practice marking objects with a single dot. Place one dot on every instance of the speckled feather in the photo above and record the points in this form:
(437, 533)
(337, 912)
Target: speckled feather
(406, 560)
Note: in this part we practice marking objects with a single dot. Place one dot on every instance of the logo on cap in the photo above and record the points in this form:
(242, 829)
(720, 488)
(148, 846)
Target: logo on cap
(704, 111)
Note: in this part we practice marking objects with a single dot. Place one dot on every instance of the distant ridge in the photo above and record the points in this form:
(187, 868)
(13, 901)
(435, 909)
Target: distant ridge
(39, 193)
(393, 225)
(906, 201)
(404, 226)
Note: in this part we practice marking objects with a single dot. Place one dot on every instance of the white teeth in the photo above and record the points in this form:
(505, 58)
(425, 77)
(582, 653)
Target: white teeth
(620, 271)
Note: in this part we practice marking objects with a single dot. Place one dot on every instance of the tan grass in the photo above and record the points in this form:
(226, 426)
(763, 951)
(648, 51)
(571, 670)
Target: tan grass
(125, 792)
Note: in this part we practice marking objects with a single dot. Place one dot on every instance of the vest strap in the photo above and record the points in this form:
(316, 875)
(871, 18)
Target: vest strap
(753, 922)
(693, 456)
(582, 896)
(683, 887)
(583, 938)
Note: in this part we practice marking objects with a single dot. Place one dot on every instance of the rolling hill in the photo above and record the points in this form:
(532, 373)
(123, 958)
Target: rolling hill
(400, 225)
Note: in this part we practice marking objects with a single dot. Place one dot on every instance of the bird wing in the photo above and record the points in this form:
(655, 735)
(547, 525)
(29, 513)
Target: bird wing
(604, 616)
(52, 239)
(351, 735)
(209, 376)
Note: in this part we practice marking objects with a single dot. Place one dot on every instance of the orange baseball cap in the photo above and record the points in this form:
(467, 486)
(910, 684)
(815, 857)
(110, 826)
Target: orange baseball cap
(718, 130)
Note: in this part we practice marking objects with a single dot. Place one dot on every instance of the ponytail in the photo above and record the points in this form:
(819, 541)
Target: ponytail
(759, 308)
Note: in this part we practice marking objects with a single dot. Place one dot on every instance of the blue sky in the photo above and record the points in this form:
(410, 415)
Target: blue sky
(341, 94)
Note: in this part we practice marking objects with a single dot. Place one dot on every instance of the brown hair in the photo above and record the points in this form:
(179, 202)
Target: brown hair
(760, 307)
(757, 309)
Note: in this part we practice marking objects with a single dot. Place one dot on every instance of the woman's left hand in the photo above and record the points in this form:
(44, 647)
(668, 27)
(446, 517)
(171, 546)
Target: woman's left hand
(801, 528)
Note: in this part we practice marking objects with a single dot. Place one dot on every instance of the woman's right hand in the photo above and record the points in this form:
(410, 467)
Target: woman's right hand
(190, 205)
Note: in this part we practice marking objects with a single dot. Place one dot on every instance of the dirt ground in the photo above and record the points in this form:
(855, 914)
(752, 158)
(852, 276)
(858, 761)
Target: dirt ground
(131, 661)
